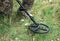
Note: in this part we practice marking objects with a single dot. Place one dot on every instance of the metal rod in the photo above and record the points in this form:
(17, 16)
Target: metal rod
(27, 12)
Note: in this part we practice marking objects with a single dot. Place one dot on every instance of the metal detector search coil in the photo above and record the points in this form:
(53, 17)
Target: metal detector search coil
(35, 27)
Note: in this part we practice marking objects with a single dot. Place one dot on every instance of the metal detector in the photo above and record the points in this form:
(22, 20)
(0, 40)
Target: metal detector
(35, 27)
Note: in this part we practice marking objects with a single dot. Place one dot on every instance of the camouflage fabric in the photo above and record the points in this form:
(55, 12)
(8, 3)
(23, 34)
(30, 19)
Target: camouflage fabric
(6, 6)
(28, 3)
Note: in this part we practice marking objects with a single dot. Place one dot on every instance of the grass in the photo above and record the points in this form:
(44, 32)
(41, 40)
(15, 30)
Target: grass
(43, 12)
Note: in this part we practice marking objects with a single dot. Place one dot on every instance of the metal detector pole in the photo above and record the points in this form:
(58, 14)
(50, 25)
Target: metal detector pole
(26, 12)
